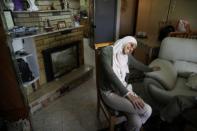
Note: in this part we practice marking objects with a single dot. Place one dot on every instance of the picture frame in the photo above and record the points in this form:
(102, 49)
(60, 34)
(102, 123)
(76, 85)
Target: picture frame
(61, 24)
(8, 19)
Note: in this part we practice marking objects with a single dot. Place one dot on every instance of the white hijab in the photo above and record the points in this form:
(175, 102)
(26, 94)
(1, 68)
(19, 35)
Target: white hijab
(120, 60)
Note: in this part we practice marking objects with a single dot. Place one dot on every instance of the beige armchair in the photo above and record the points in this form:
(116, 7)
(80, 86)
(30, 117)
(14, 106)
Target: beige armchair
(177, 60)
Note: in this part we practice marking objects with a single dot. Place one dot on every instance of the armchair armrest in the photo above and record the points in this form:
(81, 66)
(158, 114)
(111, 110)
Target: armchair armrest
(162, 97)
(166, 76)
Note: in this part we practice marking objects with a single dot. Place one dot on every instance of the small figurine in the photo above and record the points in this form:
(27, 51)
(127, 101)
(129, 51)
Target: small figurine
(64, 4)
(47, 25)
(32, 6)
(52, 7)
(67, 4)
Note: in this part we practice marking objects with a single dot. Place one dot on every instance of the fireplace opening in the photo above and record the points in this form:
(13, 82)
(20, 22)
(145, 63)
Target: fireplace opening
(60, 60)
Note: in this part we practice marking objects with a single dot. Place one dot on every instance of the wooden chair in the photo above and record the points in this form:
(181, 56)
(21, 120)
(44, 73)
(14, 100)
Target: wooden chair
(110, 114)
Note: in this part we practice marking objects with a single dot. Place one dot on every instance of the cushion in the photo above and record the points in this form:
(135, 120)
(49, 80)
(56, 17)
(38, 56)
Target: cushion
(192, 81)
(185, 68)
(166, 76)
(181, 89)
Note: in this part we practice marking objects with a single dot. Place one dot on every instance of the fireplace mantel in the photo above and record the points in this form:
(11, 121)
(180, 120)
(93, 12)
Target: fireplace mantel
(38, 18)
(64, 30)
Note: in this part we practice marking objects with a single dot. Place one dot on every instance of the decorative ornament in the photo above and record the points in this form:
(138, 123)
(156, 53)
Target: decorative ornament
(32, 6)
(64, 4)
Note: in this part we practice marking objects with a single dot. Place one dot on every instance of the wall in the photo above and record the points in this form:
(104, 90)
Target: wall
(75, 5)
(127, 17)
(84, 4)
(182, 9)
(150, 12)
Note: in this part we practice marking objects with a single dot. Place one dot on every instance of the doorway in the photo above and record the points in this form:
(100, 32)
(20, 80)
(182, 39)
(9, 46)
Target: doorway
(103, 20)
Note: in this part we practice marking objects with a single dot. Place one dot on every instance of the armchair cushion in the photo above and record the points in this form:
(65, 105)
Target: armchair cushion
(163, 96)
(166, 76)
(185, 68)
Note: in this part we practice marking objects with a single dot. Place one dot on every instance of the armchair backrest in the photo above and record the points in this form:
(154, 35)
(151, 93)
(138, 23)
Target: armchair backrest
(173, 49)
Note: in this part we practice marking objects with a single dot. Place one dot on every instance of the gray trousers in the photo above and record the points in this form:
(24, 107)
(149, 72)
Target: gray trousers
(136, 117)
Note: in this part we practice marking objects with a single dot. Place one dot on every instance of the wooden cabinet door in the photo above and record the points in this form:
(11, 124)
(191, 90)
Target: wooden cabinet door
(128, 17)
(150, 12)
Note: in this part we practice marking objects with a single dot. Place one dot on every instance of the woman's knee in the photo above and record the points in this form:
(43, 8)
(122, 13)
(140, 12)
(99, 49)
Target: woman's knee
(134, 121)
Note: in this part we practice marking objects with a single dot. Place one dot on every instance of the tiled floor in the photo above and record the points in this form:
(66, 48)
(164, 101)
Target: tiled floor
(75, 111)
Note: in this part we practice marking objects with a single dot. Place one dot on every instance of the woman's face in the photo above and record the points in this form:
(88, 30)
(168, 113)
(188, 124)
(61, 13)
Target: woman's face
(129, 48)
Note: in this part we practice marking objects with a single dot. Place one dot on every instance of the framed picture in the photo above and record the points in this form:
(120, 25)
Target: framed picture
(8, 19)
(61, 24)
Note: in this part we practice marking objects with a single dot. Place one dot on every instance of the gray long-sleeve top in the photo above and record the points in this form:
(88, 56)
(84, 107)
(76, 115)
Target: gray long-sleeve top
(108, 81)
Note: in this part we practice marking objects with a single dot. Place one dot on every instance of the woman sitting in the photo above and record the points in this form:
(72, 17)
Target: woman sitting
(115, 91)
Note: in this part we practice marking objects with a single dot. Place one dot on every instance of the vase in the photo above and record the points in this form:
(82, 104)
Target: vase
(18, 6)
(65, 4)
(32, 6)
(76, 23)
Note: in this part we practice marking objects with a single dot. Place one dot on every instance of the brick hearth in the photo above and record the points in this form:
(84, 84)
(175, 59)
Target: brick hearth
(55, 89)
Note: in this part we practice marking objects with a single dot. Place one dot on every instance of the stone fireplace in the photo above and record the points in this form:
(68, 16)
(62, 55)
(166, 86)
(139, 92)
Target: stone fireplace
(62, 49)
(60, 60)
(55, 54)
(55, 41)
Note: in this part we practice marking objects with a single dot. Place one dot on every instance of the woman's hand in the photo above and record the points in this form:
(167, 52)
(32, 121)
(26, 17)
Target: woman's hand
(136, 101)
(155, 68)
